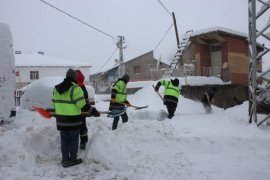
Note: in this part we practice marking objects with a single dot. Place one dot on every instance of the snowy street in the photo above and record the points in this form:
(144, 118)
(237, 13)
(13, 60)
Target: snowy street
(192, 145)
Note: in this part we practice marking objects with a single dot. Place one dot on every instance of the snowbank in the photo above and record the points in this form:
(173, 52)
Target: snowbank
(192, 145)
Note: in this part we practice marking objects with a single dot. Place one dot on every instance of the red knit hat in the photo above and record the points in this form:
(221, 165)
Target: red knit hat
(80, 78)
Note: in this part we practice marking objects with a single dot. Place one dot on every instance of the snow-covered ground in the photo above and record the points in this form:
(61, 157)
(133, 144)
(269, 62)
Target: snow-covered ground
(191, 146)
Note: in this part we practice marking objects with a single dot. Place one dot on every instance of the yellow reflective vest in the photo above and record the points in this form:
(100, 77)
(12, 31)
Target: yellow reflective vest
(120, 87)
(170, 89)
(70, 102)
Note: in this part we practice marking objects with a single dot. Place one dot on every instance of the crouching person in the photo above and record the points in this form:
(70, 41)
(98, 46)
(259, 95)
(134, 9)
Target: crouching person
(68, 102)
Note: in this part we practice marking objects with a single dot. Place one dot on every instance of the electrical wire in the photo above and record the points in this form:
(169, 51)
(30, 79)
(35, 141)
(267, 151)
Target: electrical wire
(108, 59)
(78, 19)
(164, 7)
(163, 36)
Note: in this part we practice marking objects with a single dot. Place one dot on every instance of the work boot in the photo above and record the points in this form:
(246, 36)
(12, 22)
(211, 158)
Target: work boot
(75, 162)
(65, 163)
(170, 116)
(71, 163)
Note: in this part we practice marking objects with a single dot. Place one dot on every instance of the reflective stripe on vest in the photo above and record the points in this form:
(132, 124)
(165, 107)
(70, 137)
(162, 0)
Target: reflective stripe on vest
(70, 102)
(69, 124)
(170, 89)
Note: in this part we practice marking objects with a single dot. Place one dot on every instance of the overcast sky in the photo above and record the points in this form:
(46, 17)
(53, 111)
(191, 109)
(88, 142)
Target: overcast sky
(39, 27)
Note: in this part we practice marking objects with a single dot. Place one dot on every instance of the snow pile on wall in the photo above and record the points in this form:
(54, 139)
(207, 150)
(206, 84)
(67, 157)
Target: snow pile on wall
(39, 93)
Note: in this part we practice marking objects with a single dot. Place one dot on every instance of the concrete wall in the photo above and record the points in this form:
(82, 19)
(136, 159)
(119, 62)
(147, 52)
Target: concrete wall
(223, 97)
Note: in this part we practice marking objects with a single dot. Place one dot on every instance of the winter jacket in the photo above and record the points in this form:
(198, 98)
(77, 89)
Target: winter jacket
(68, 101)
(119, 92)
(172, 91)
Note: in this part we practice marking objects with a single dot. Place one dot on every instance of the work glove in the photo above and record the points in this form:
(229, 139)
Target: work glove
(113, 100)
(92, 103)
(95, 112)
(128, 104)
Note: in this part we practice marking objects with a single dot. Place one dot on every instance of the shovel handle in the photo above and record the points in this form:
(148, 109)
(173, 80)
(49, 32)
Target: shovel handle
(158, 93)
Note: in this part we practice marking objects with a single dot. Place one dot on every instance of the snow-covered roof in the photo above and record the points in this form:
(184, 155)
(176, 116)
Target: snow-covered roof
(218, 29)
(36, 59)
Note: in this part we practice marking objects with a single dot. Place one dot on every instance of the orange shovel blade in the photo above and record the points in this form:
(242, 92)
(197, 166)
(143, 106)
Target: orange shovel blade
(43, 112)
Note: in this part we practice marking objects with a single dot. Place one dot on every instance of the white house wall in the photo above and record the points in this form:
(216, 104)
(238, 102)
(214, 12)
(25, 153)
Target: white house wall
(23, 77)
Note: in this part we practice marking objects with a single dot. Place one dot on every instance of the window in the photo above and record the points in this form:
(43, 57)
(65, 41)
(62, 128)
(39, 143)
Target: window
(217, 47)
(34, 75)
(137, 69)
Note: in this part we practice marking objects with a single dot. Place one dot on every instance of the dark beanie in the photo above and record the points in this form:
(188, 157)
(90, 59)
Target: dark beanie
(125, 77)
(175, 82)
(71, 74)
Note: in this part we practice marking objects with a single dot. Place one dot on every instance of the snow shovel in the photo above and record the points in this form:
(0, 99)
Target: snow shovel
(50, 112)
(158, 93)
(136, 107)
(129, 105)
(115, 113)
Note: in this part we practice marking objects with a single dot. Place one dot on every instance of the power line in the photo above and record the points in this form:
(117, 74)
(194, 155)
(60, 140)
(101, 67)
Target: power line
(108, 59)
(163, 36)
(78, 19)
(164, 7)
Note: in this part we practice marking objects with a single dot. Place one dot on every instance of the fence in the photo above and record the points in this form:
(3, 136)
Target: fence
(189, 71)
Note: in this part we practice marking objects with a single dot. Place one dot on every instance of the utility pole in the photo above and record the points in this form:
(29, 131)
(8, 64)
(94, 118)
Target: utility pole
(176, 31)
(121, 66)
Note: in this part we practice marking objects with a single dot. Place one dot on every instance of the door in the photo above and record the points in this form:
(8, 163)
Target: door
(216, 60)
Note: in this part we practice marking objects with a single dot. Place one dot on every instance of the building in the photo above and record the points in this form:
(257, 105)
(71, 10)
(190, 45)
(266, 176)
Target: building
(32, 66)
(141, 68)
(219, 52)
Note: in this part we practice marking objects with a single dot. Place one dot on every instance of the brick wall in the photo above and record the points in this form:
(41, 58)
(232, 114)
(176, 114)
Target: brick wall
(234, 56)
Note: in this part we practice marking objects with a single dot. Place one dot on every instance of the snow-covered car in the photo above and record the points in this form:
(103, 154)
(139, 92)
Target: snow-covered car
(39, 93)
(7, 75)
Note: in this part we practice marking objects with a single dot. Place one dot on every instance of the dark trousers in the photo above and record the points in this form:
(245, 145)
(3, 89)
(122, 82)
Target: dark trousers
(69, 145)
(171, 108)
(207, 108)
(83, 132)
(116, 119)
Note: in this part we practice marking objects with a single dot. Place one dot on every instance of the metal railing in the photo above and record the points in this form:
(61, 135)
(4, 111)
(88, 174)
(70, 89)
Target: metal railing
(191, 71)
(103, 87)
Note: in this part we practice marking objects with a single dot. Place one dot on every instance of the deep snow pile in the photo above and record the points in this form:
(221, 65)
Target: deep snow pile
(39, 93)
(192, 145)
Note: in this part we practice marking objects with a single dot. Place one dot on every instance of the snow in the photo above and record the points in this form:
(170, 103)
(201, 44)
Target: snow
(36, 59)
(39, 92)
(217, 28)
(192, 145)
